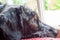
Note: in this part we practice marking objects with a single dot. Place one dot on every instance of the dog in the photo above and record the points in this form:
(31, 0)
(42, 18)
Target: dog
(20, 23)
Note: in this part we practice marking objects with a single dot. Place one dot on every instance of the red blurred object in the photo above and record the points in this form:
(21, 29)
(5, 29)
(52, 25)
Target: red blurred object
(42, 39)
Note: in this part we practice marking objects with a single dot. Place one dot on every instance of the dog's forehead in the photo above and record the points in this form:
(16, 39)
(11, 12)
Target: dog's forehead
(27, 14)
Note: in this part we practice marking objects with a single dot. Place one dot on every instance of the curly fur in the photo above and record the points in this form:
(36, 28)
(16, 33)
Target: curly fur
(21, 22)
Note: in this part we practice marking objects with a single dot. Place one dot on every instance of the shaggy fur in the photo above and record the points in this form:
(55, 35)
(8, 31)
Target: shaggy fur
(21, 22)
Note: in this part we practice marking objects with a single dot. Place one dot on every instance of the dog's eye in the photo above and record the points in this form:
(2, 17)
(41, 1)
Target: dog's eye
(1, 19)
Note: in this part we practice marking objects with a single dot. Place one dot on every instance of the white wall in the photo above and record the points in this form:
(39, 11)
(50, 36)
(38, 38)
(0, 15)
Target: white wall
(52, 18)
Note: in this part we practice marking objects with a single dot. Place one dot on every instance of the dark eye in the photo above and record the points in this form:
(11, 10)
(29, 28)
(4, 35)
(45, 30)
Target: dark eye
(1, 19)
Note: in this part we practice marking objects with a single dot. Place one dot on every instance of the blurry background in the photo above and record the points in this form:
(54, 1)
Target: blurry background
(50, 12)
(32, 4)
(47, 10)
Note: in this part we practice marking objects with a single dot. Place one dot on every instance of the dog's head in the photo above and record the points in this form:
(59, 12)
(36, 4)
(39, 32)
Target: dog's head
(20, 22)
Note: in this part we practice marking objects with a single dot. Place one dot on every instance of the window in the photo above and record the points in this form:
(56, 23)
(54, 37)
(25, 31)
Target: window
(52, 4)
(50, 12)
